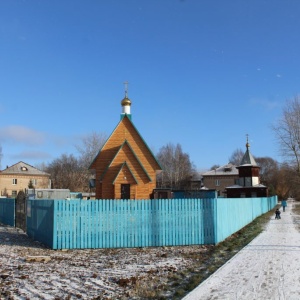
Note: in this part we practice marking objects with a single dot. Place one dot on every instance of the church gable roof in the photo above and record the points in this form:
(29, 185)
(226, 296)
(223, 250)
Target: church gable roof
(125, 130)
(126, 146)
(125, 167)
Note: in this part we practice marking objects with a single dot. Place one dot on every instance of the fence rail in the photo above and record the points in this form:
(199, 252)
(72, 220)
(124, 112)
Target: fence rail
(63, 224)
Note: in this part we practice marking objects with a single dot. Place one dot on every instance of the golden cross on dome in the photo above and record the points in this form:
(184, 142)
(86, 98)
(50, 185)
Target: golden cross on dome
(247, 144)
(126, 89)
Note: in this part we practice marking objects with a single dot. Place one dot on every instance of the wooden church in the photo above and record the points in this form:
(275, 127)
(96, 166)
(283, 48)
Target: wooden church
(125, 166)
(249, 185)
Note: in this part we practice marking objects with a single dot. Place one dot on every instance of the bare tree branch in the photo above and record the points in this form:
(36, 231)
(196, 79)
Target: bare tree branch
(287, 132)
(177, 168)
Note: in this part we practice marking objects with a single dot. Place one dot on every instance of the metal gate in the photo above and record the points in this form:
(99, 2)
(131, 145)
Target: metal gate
(20, 212)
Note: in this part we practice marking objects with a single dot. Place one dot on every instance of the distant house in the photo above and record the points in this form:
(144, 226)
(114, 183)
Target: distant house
(196, 181)
(248, 184)
(125, 167)
(18, 177)
(221, 177)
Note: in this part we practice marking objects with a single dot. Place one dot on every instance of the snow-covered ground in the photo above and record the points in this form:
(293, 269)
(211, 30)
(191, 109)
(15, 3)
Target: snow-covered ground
(28, 270)
(267, 268)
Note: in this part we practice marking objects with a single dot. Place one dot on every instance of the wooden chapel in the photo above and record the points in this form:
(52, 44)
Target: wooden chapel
(249, 184)
(125, 167)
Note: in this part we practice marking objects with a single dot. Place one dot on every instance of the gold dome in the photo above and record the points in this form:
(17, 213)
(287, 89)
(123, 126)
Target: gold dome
(126, 102)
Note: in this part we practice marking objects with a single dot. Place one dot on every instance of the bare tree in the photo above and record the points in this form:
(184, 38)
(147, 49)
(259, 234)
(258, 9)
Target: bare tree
(177, 167)
(287, 132)
(268, 169)
(287, 182)
(70, 172)
(269, 173)
(67, 173)
(236, 157)
(41, 166)
(89, 147)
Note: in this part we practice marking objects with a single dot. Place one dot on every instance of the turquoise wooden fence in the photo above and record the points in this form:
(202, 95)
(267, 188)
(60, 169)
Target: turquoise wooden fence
(40, 220)
(7, 211)
(232, 214)
(122, 223)
(63, 224)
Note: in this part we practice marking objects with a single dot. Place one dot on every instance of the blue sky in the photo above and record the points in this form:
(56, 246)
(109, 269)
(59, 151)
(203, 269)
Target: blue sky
(201, 73)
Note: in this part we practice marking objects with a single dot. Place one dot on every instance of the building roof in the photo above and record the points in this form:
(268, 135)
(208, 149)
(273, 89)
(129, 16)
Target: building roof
(248, 159)
(125, 143)
(138, 135)
(125, 166)
(22, 168)
(125, 151)
(236, 186)
(228, 169)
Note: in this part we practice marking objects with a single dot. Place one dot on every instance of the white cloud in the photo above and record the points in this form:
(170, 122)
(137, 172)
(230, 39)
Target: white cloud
(20, 143)
(21, 134)
(36, 155)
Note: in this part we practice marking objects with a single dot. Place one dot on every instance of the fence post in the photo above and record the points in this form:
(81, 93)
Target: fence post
(54, 224)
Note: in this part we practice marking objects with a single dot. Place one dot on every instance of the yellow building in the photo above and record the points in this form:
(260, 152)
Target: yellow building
(18, 177)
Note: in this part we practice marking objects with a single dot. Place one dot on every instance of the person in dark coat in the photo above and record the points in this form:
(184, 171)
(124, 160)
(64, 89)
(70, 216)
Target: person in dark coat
(277, 214)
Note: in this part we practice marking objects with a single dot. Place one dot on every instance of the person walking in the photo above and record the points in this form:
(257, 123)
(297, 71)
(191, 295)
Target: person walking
(283, 204)
(277, 214)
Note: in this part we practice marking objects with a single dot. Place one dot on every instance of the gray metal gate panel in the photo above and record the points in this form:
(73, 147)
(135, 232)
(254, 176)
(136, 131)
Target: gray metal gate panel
(20, 212)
